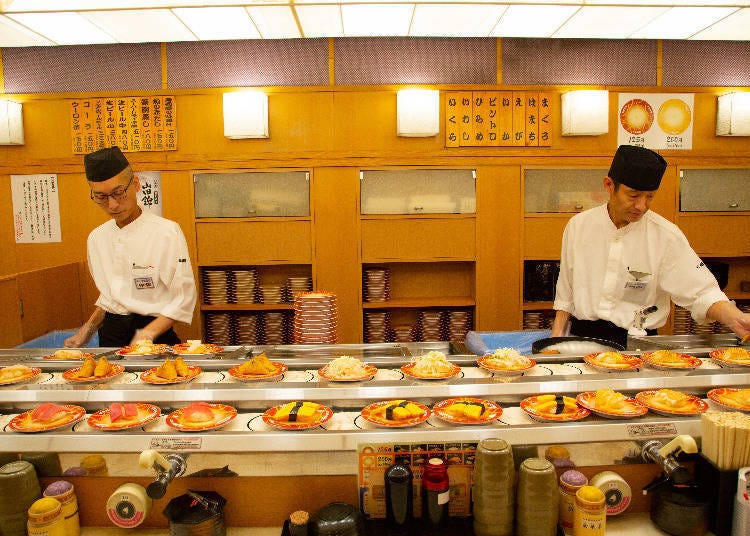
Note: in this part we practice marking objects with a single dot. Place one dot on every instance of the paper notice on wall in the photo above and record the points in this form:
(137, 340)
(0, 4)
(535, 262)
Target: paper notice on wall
(149, 196)
(36, 208)
(656, 120)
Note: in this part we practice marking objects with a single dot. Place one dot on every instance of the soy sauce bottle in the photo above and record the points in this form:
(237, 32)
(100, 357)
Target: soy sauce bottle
(399, 502)
(435, 495)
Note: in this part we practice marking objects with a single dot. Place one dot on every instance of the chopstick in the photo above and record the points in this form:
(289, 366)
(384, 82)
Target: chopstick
(726, 439)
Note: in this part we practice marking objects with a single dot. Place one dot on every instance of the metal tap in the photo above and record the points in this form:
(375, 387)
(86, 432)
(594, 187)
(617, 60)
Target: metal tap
(664, 455)
(166, 467)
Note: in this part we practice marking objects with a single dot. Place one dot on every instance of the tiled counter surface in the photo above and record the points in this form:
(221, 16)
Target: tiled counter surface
(626, 525)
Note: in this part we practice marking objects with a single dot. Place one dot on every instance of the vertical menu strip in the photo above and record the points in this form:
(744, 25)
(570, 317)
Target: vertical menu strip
(137, 123)
(498, 119)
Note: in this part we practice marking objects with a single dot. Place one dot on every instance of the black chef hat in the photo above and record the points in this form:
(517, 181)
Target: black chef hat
(104, 164)
(637, 167)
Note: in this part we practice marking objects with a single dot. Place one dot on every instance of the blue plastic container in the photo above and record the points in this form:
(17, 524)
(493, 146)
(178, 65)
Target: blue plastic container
(486, 342)
(56, 339)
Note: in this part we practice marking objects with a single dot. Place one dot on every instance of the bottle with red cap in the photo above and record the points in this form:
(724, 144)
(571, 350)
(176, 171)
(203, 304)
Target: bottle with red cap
(435, 494)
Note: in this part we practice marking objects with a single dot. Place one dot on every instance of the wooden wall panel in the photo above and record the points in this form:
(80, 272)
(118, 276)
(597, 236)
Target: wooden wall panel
(11, 333)
(256, 242)
(51, 300)
(336, 265)
(498, 248)
(717, 236)
(542, 237)
(418, 239)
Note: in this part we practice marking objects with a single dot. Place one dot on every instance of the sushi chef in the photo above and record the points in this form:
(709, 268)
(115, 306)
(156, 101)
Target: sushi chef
(621, 263)
(139, 262)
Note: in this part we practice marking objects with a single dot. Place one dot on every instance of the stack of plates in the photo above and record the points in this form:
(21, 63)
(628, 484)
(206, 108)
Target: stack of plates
(682, 321)
(429, 325)
(271, 293)
(295, 285)
(459, 324)
(703, 329)
(533, 319)
(315, 318)
(219, 328)
(377, 325)
(216, 288)
(245, 284)
(403, 333)
(247, 329)
(375, 286)
(273, 328)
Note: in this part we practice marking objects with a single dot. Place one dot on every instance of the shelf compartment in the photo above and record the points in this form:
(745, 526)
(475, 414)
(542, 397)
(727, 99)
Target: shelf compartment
(254, 242)
(418, 239)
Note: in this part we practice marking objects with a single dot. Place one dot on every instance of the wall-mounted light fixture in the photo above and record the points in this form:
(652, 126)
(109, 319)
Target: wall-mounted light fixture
(418, 113)
(245, 114)
(11, 123)
(585, 112)
(733, 115)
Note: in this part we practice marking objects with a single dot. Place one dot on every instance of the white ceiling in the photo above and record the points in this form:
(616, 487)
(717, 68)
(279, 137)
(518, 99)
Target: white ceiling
(71, 22)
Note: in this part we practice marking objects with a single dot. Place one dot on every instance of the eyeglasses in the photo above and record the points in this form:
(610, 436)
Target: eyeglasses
(118, 194)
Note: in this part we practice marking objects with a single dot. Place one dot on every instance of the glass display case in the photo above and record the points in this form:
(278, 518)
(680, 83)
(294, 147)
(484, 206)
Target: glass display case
(714, 190)
(563, 190)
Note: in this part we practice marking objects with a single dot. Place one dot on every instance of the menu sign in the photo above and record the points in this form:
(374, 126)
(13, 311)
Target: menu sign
(498, 119)
(656, 120)
(375, 458)
(132, 123)
(36, 208)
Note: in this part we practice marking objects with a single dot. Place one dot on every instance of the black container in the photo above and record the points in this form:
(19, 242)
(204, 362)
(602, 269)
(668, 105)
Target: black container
(720, 271)
(539, 280)
(337, 519)
(721, 487)
(399, 501)
(680, 510)
(188, 517)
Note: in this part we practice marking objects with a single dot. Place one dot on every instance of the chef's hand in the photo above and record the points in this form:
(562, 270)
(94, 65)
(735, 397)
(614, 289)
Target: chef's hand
(81, 338)
(143, 334)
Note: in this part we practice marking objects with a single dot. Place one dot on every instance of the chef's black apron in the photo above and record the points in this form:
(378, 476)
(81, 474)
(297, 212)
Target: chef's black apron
(119, 330)
(602, 329)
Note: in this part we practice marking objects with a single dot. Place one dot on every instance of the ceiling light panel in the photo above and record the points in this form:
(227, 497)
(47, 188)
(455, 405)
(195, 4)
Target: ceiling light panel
(64, 28)
(320, 20)
(13, 34)
(736, 27)
(608, 22)
(532, 21)
(681, 22)
(455, 20)
(274, 22)
(141, 26)
(218, 23)
(376, 20)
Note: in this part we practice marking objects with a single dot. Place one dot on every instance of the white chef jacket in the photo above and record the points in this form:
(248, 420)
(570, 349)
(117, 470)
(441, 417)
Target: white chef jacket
(609, 273)
(143, 268)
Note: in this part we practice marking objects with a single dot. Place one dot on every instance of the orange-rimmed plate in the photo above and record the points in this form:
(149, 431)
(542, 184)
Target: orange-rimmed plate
(71, 375)
(718, 396)
(408, 369)
(486, 362)
(685, 362)
(223, 414)
(529, 406)
(696, 406)
(324, 412)
(719, 355)
(491, 413)
(84, 355)
(631, 363)
(205, 349)
(371, 414)
(150, 376)
(101, 419)
(369, 373)
(235, 373)
(33, 373)
(24, 423)
(130, 350)
(633, 407)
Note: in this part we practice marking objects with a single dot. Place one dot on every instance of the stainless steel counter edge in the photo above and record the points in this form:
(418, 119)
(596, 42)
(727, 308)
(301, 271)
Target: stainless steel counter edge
(333, 440)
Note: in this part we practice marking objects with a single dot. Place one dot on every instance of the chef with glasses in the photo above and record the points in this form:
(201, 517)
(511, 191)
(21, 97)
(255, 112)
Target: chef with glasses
(621, 263)
(139, 262)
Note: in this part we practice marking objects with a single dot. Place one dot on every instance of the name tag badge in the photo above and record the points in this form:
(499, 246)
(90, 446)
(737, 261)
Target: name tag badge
(144, 282)
(635, 285)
